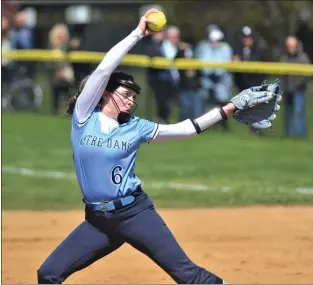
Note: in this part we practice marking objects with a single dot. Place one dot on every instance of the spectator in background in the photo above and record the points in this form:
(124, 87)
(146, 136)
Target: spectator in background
(304, 34)
(248, 50)
(81, 69)
(294, 87)
(62, 74)
(5, 46)
(168, 79)
(21, 38)
(216, 83)
(190, 100)
(153, 49)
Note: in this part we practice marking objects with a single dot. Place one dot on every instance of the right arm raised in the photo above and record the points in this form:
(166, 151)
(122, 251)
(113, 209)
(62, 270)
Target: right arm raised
(98, 80)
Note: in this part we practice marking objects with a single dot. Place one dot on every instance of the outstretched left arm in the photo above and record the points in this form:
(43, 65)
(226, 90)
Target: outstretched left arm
(191, 127)
(254, 107)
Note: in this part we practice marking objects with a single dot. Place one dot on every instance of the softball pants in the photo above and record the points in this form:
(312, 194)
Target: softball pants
(101, 233)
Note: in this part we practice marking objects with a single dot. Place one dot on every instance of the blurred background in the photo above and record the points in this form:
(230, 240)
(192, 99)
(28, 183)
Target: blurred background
(35, 91)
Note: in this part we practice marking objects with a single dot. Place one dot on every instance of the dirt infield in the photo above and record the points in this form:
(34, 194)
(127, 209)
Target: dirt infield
(245, 245)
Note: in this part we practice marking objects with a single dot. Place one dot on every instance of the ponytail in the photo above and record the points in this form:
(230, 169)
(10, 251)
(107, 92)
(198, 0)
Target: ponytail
(73, 99)
(71, 104)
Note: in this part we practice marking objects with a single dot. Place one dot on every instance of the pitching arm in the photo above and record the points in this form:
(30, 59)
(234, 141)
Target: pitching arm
(98, 80)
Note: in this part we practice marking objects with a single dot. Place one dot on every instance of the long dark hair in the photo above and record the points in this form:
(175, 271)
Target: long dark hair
(117, 79)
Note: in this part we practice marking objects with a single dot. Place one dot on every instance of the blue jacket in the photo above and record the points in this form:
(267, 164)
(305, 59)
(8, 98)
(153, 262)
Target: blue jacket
(22, 38)
(206, 52)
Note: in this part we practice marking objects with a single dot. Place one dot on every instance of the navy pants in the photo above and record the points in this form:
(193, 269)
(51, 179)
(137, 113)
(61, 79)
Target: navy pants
(103, 232)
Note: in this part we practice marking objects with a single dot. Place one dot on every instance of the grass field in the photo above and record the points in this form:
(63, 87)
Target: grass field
(209, 170)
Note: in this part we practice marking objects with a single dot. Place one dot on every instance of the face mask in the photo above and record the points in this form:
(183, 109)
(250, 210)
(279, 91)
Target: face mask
(124, 117)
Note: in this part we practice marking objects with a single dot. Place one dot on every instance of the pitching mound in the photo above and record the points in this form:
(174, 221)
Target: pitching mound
(245, 245)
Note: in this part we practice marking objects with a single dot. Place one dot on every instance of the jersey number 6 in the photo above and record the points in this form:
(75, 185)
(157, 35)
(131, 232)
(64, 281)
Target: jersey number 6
(116, 175)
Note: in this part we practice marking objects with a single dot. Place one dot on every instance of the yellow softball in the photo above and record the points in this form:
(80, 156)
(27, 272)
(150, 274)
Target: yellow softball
(159, 19)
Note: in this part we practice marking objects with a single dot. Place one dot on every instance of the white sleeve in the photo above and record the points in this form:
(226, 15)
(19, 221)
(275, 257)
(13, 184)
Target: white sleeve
(175, 131)
(98, 80)
(189, 128)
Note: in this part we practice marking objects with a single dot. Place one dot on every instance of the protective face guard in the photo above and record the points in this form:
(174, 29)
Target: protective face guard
(124, 117)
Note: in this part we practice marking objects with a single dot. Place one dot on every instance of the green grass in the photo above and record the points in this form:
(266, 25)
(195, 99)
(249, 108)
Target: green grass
(234, 168)
(237, 168)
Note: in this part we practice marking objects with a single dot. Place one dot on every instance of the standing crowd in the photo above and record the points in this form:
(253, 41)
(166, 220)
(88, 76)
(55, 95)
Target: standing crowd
(197, 90)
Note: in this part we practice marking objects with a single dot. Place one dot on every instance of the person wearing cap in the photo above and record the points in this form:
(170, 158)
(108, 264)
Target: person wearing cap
(216, 83)
(248, 49)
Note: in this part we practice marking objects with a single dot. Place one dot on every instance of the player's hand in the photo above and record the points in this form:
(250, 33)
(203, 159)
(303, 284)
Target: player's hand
(144, 21)
(249, 98)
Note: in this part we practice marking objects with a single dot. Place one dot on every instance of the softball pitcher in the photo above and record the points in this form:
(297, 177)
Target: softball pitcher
(105, 139)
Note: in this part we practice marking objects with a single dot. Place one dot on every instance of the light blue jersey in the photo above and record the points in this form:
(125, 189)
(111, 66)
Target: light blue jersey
(105, 157)
(104, 152)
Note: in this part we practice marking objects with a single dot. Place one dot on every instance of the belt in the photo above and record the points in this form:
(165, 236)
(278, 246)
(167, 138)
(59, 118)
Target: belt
(111, 205)
(116, 204)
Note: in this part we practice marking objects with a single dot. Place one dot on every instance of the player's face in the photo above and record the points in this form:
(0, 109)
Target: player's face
(125, 98)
